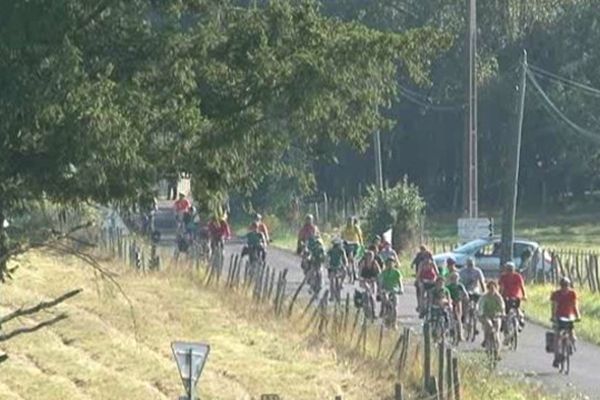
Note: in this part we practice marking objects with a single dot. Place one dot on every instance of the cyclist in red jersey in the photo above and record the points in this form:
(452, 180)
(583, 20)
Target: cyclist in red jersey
(512, 289)
(426, 276)
(308, 230)
(565, 310)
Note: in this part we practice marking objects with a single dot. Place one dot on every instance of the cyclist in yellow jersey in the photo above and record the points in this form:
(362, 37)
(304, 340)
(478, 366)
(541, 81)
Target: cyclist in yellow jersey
(353, 240)
(352, 232)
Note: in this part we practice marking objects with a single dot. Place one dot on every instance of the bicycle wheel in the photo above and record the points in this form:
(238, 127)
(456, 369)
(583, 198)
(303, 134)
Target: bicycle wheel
(515, 333)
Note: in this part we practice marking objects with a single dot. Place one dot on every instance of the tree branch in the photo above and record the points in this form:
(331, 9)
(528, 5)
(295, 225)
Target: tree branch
(39, 307)
(29, 329)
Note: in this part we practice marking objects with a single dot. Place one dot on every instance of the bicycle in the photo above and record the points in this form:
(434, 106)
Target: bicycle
(389, 312)
(491, 328)
(470, 318)
(218, 253)
(438, 322)
(351, 249)
(454, 328)
(368, 303)
(336, 282)
(314, 276)
(566, 344)
(511, 325)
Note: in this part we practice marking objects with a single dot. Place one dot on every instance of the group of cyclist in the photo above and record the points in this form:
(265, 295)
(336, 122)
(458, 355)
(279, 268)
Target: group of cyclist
(191, 228)
(445, 289)
(377, 270)
(452, 291)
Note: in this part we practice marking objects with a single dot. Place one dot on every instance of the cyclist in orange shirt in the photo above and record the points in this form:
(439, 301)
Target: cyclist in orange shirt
(512, 289)
(565, 310)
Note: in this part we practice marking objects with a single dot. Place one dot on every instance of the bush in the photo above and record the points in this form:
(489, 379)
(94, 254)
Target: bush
(398, 208)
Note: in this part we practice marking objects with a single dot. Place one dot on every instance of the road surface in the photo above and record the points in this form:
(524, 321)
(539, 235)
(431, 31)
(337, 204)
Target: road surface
(529, 361)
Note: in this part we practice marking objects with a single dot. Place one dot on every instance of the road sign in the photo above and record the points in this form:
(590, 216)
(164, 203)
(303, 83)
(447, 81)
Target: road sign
(190, 358)
(475, 228)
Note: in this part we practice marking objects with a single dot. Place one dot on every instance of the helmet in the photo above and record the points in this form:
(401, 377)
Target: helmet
(309, 218)
(470, 261)
(450, 261)
(564, 281)
(257, 217)
(510, 265)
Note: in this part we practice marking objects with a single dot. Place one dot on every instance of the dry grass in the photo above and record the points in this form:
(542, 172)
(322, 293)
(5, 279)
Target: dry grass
(100, 353)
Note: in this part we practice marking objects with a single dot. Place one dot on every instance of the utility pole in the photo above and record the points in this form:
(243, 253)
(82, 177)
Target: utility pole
(378, 166)
(470, 187)
(512, 175)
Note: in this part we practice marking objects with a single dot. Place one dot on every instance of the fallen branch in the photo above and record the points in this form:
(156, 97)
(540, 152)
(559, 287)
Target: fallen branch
(7, 336)
(39, 307)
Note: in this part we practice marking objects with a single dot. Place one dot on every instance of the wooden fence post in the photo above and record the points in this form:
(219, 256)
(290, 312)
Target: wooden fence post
(449, 378)
(456, 376)
(398, 392)
(441, 355)
(426, 355)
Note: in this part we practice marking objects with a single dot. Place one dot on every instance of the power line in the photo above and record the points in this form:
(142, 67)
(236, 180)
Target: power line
(558, 114)
(557, 78)
(426, 102)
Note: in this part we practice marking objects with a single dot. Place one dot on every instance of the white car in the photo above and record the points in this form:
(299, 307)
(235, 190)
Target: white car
(486, 253)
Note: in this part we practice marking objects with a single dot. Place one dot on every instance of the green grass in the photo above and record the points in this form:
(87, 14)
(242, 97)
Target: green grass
(537, 308)
(561, 231)
(99, 352)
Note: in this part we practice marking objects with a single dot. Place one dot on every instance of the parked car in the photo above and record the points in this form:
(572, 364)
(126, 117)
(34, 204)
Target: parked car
(486, 253)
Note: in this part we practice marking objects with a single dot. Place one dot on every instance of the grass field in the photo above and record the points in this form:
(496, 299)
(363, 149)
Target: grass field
(101, 353)
(537, 308)
(108, 350)
(568, 231)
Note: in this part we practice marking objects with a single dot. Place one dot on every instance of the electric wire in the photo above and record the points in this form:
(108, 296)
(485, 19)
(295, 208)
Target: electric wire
(557, 78)
(557, 113)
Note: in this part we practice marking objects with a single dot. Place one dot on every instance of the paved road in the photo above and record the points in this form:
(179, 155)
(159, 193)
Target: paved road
(530, 361)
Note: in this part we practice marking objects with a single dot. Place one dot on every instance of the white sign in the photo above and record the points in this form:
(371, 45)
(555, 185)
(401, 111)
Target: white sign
(190, 358)
(475, 228)
(387, 236)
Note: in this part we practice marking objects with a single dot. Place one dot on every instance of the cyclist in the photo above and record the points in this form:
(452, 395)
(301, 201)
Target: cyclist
(181, 206)
(188, 222)
(387, 252)
(458, 295)
(255, 242)
(262, 228)
(491, 310)
(369, 272)
(390, 282)
(390, 279)
(565, 310)
(337, 265)
(451, 266)
(219, 231)
(422, 255)
(308, 230)
(512, 289)
(474, 281)
(440, 295)
(426, 278)
(316, 250)
(375, 247)
(352, 237)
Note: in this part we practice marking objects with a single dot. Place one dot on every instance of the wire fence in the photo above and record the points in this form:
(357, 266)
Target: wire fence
(403, 352)
(549, 265)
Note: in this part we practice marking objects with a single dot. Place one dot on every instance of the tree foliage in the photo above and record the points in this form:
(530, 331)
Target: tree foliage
(399, 208)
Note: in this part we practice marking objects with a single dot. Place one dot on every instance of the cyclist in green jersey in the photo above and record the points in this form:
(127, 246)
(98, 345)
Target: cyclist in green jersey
(390, 279)
(440, 297)
(458, 295)
(338, 261)
(491, 311)
(255, 241)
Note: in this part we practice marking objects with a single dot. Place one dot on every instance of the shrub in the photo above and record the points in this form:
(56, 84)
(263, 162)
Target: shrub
(398, 208)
